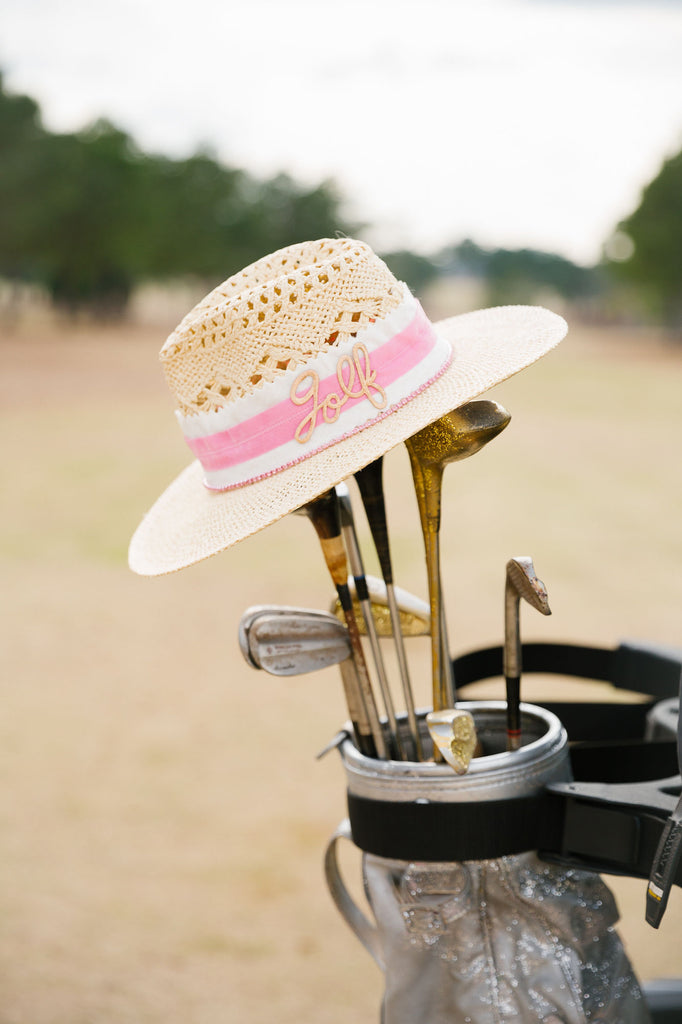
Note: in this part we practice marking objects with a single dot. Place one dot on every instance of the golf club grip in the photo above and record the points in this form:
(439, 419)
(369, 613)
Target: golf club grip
(665, 868)
(513, 686)
(369, 481)
(361, 590)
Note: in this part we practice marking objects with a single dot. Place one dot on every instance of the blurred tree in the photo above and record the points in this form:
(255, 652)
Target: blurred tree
(94, 219)
(416, 271)
(517, 275)
(22, 140)
(90, 215)
(280, 212)
(193, 214)
(645, 251)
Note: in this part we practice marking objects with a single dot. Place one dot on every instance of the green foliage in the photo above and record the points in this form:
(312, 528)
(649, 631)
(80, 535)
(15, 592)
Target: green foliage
(652, 262)
(517, 275)
(22, 177)
(89, 215)
(89, 252)
(416, 271)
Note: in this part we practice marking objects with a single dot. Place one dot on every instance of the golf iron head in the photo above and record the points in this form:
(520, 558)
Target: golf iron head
(258, 610)
(292, 641)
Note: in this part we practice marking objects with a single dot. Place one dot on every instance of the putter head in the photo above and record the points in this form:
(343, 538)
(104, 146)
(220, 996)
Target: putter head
(458, 434)
(415, 614)
(523, 581)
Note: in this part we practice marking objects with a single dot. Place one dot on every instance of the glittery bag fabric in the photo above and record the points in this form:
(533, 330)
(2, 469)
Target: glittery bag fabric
(493, 941)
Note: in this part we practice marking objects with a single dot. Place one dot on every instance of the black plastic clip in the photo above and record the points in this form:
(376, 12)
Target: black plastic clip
(669, 851)
(664, 867)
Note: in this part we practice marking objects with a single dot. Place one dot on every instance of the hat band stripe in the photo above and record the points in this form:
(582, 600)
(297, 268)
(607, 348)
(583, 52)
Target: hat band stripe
(367, 385)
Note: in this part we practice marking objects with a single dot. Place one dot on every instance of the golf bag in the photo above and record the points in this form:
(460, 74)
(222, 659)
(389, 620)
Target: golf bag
(471, 923)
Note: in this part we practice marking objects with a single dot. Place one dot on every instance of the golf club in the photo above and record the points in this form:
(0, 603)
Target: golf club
(258, 610)
(323, 513)
(521, 582)
(358, 570)
(453, 733)
(453, 437)
(370, 483)
(415, 615)
(296, 643)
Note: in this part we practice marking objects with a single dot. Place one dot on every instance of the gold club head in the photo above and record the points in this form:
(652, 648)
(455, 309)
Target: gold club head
(414, 614)
(454, 735)
(458, 434)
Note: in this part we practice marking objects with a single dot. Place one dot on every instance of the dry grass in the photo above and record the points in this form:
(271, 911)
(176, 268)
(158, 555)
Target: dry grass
(158, 863)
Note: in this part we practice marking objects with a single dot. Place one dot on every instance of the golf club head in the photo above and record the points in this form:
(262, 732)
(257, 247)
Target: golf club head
(453, 733)
(458, 434)
(259, 610)
(296, 644)
(522, 579)
(415, 616)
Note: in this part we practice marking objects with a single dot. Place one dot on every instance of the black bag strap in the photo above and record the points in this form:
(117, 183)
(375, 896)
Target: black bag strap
(652, 669)
(597, 821)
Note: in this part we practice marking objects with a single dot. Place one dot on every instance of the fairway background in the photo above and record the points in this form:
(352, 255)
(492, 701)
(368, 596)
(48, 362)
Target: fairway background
(162, 817)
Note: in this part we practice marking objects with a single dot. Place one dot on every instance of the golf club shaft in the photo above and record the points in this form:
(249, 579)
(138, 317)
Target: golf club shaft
(370, 483)
(363, 681)
(324, 515)
(358, 570)
(521, 582)
(439, 688)
(364, 740)
(404, 673)
(427, 486)
(448, 670)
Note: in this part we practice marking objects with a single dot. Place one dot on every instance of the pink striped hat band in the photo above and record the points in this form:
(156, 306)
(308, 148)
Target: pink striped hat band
(315, 405)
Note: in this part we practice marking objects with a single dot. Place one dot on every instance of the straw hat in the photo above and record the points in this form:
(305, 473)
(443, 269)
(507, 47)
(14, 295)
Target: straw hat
(299, 371)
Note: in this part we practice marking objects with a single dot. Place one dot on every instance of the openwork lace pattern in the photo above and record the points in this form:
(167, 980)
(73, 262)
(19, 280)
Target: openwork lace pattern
(274, 316)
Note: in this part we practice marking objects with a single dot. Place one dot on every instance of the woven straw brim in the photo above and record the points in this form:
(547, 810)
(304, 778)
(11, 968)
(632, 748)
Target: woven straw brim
(189, 523)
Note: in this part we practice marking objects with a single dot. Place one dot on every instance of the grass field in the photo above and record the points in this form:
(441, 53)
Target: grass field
(163, 817)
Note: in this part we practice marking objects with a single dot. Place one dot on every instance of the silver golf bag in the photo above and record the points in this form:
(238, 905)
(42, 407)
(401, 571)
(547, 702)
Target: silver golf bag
(469, 924)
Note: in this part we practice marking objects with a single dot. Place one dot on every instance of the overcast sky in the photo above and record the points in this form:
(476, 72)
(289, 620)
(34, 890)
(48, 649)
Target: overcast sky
(516, 122)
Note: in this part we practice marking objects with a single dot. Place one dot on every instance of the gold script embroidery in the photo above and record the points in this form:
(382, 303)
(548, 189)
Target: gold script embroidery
(350, 371)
